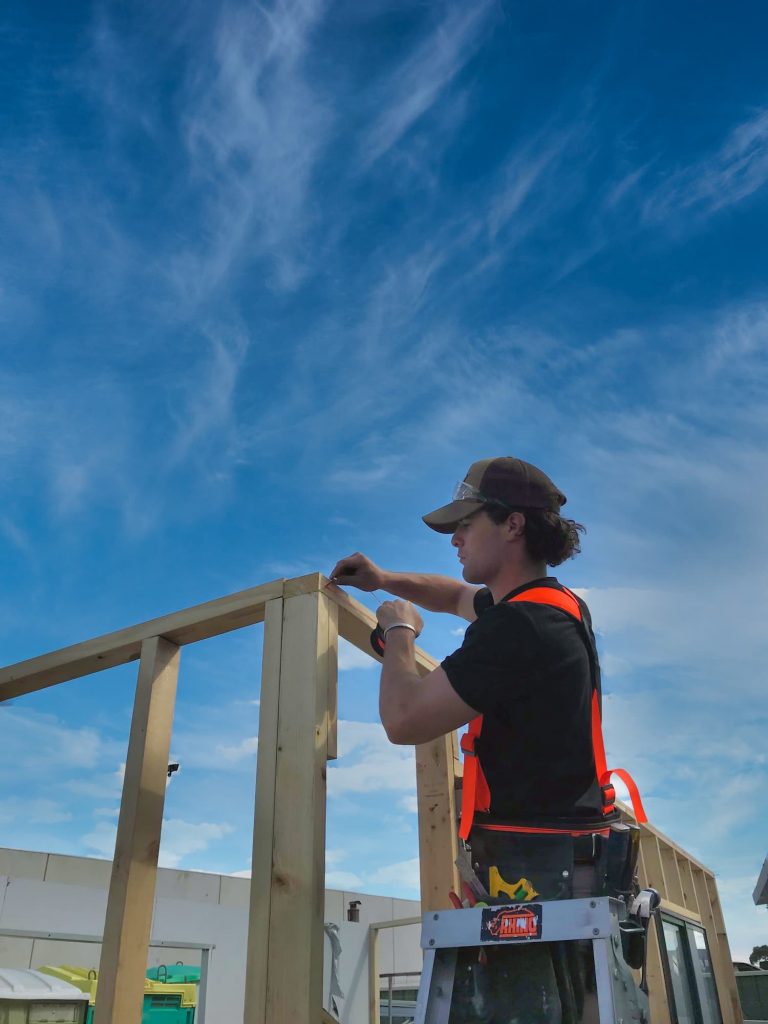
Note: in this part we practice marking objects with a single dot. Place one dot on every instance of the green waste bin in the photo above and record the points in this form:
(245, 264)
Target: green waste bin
(30, 997)
(163, 1003)
(168, 1003)
(175, 974)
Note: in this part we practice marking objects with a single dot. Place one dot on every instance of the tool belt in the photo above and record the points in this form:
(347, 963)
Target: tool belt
(521, 867)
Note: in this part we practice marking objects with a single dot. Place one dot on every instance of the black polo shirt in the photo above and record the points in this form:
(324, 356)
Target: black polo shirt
(526, 668)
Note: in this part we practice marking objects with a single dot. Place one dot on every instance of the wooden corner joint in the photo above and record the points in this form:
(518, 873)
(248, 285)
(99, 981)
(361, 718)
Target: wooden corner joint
(309, 584)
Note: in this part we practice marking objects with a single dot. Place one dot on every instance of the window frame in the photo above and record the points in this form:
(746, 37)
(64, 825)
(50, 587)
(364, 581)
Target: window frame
(693, 968)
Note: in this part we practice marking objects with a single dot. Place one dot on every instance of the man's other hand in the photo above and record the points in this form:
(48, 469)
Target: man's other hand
(399, 611)
(357, 571)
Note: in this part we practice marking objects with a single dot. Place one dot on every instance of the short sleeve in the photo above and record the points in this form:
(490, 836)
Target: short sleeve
(493, 666)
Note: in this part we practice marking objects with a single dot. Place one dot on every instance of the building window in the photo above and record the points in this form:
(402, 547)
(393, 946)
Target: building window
(691, 989)
(710, 1002)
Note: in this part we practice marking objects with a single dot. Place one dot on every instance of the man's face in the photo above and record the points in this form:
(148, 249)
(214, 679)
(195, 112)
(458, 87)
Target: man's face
(480, 546)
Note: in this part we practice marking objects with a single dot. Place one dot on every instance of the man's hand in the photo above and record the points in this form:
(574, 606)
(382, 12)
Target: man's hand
(357, 571)
(399, 611)
(435, 593)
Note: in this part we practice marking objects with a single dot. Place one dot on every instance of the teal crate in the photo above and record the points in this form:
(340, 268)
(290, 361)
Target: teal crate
(160, 1010)
(166, 1009)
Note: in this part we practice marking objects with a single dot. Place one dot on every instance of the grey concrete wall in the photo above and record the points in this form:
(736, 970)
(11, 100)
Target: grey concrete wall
(46, 892)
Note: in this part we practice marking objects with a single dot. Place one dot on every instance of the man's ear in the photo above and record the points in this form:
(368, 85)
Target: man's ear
(515, 525)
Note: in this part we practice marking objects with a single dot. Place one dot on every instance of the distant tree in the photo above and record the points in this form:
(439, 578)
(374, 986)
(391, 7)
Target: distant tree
(759, 957)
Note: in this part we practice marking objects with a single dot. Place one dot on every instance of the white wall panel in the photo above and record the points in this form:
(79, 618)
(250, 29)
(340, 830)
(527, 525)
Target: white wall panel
(210, 910)
(23, 863)
(15, 952)
(197, 886)
(78, 871)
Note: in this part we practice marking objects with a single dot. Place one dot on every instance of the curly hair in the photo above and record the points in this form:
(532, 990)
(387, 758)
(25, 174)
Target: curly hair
(548, 536)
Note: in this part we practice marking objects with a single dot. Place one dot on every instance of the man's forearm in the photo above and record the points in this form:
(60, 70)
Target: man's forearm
(435, 593)
(399, 675)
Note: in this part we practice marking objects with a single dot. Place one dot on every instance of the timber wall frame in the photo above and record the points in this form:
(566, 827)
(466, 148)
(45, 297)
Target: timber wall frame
(688, 890)
(303, 619)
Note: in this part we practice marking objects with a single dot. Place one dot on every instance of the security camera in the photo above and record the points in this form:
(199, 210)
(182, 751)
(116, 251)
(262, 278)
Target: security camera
(173, 767)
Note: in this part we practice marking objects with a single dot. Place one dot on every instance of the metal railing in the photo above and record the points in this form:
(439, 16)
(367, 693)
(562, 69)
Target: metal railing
(405, 1004)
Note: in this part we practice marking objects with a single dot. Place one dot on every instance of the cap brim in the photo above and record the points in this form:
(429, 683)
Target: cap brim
(447, 518)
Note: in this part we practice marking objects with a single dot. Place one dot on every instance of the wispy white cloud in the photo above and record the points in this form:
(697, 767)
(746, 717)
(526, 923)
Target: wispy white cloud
(206, 422)
(404, 874)
(365, 476)
(369, 763)
(739, 345)
(35, 811)
(351, 657)
(102, 839)
(418, 82)
(35, 744)
(700, 785)
(746, 922)
(15, 534)
(179, 839)
(737, 170)
(662, 627)
(409, 804)
(106, 812)
(255, 127)
(245, 749)
(346, 880)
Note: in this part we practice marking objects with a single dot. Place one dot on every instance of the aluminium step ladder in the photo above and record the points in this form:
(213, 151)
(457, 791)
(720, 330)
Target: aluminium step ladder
(618, 937)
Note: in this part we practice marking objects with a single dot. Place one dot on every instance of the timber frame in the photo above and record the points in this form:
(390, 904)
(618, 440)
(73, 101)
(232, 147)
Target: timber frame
(303, 618)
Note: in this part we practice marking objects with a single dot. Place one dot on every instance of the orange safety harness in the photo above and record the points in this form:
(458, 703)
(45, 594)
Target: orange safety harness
(476, 795)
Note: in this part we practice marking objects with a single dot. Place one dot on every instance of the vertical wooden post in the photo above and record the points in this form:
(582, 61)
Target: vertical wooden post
(672, 876)
(374, 981)
(264, 816)
(284, 974)
(438, 840)
(657, 986)
(722, 965)
(653, 864)
(689, 889)
(134, 871)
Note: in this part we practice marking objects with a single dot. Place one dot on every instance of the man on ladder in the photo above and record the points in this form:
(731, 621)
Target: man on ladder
(537, 813)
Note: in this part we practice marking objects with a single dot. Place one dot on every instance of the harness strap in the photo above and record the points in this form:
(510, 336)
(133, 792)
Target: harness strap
(476, 794)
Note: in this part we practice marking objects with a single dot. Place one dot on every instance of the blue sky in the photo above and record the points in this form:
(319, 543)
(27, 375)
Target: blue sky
(272, 276)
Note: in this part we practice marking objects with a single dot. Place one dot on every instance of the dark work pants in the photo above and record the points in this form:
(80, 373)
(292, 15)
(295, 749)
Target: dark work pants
(540, 983)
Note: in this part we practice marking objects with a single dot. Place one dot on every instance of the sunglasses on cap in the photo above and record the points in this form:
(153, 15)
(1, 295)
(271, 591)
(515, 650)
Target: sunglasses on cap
(463, 491)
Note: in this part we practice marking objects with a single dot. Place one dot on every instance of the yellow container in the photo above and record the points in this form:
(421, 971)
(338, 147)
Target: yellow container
(84, 978)
(155, 992)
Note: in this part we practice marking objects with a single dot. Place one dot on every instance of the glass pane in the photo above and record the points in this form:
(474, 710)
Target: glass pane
(680, 975)
(711, 1008)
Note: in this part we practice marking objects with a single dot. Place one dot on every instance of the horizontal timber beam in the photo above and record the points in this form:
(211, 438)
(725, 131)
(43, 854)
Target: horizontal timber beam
(356, 623)
(629, 815)
(200, 622)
